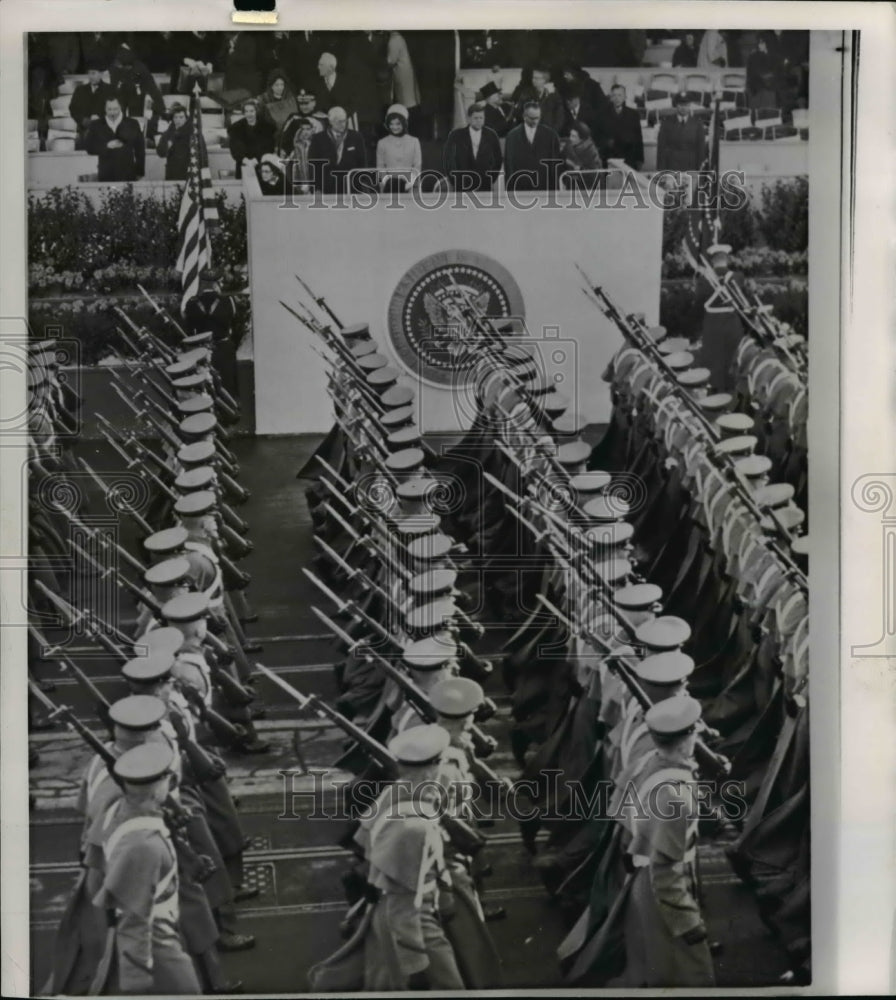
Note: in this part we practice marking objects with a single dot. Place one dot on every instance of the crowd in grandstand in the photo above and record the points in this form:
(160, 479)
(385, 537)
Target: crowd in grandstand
(349, 100)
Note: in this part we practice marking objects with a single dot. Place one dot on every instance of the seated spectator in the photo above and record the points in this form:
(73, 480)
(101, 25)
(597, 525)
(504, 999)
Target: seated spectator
(497, 118)
(278, 102)
(174, 144)
(579, 149)
(762, 76)
(271, 175)
(334, 90)
(532, 153)
(297, 165)
(472, 155)
(334, 152)
(686, 53)
(97, 48)
(399, 152)
(118, 144)
(250, 137)
(89, 100)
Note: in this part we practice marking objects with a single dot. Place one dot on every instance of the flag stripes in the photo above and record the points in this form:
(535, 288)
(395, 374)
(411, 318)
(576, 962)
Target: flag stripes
(198, 209)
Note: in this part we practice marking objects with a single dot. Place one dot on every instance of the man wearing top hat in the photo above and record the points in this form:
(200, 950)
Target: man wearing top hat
(472, 155)
(496, 118)
(211, 310)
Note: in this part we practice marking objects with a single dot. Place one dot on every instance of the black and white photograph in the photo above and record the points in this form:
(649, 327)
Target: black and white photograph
(415, 470)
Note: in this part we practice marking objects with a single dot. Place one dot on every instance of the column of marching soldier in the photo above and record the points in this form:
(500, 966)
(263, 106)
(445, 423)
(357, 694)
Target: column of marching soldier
(161, 847)
(613, 703)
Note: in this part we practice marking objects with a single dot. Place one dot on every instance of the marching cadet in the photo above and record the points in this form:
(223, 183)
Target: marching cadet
(140, 881)
(79, 950)
(214, 826)
(189, 614)
(166, 579)
(665, 935)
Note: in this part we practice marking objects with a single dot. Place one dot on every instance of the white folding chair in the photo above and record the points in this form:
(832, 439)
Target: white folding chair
(60, 105)
(737, 122)
(668, 83)
(765, 117)
(800, 117)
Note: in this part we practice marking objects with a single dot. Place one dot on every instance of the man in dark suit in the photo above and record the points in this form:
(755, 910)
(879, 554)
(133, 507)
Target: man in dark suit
(681, 144)
(619, 134)
(364, 58)
(472, 155)
(542, 92)
(118, 143)
(578, 109)
(532, 153)
(334, 152)
(496, 117)
(89, 100)
(174, 144)
(333, 90)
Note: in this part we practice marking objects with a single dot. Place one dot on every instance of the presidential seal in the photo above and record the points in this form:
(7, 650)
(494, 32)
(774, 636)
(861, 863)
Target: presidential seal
(436, 310)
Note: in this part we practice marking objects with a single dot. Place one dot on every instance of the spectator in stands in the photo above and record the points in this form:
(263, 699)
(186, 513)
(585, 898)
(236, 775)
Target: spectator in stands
(334, 90)
(542, 92)
(286, 140)
(89, 100)
(298, 164)
(118, 143)
(238, 60)
(580, 152)
(250, 137)
(196, 53)
(619, 135)
(271, 175)
(278, 102)
(472, 155)
(308, 108)
(532, 153)
(496, 117)
(97, 48)
(399, 152)
(334, 152)
(578, 110)
(174, 144)
(686, 53)
(763, 73)
(365, 64)
(303, 51)
(64, 51)
(524, 86)
(713, 49)
(133, 84)
(681, 144)
(405, 89)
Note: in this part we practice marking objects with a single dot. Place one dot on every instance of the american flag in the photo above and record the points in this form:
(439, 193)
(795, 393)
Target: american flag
(197, 208)
(704, 224)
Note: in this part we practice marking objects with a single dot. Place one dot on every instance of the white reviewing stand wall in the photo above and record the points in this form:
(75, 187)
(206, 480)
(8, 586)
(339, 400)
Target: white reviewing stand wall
(356, 257)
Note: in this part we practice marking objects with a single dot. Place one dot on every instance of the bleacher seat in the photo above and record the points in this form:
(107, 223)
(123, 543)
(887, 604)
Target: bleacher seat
(804, 134)
(60, 105)
(750, 134)
(781, 132)
(800, 117)
(734, 81)
(666, 83)
(67, 87)
(61, 143)
(736, 122)
(765, 117)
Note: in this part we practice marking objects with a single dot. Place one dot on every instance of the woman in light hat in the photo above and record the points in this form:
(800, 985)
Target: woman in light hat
(398, 151)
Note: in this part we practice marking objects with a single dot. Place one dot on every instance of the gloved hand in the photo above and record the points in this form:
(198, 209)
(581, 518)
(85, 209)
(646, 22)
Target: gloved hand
(695, 935)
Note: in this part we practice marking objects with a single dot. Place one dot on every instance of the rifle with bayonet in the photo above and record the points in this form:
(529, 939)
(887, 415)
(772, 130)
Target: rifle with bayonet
(320, 302)
(177, 817)
(713, 765)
